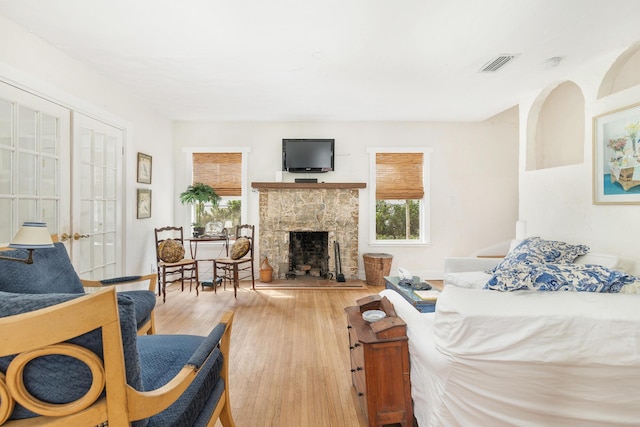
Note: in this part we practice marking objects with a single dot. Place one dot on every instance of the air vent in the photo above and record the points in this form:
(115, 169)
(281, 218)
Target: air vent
(498, 63)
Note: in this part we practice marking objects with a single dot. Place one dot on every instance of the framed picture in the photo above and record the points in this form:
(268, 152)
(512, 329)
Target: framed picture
(144, 168)
(616, 156)
(144, 203)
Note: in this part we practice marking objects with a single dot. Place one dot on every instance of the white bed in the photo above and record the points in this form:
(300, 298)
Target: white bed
(490, 359)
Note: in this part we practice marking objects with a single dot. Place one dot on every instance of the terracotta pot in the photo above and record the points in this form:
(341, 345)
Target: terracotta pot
(266, 271)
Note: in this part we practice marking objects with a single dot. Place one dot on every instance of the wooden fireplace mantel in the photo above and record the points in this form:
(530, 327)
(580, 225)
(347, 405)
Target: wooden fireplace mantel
(309, 185)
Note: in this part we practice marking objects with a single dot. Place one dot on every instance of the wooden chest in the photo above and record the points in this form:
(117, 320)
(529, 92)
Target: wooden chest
(380, 363)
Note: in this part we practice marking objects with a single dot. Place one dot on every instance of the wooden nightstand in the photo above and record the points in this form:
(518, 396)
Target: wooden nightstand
(380, 363)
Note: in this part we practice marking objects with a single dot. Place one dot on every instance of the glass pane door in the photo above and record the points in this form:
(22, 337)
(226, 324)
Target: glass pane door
(34, 160)
(96, 208)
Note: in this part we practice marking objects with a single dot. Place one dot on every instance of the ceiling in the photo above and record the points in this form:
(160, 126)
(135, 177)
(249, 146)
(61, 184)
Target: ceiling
(326, 60)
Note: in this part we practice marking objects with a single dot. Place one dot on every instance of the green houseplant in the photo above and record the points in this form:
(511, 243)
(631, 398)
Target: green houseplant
(198, 195)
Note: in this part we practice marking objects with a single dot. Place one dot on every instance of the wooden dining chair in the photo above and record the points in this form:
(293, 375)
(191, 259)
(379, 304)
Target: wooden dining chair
(239, 264)
(171, 261)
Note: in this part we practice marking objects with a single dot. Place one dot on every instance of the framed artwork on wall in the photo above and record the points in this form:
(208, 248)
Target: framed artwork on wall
(616, 156)
(144, 168)
(144, 203)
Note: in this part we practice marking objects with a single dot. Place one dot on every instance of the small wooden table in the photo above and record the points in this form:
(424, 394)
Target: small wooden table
(423, 306)
(193, 248)
(193, 243)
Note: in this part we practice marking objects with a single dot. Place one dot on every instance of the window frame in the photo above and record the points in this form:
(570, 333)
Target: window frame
(424, 205)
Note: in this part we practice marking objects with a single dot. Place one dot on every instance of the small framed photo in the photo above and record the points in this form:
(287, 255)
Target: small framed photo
(616, 156)
(144, 168)
(144, 203)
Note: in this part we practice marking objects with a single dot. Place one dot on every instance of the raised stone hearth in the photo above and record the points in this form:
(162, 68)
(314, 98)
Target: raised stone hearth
(309, 208)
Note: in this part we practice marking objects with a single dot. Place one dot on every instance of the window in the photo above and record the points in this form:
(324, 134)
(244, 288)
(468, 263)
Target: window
(400, 196)
(223, 172)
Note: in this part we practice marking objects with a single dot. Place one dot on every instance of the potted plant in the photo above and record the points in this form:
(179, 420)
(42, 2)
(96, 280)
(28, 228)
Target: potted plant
(198, 195)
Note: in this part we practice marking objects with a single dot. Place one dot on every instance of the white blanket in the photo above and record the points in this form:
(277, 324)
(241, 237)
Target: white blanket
(487, 358)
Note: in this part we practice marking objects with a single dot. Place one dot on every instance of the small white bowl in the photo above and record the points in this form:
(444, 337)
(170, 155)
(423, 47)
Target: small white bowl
(373, 315)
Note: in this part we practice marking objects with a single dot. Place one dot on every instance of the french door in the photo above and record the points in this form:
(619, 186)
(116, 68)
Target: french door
(34, 152)
(62, 168)
(96, 202)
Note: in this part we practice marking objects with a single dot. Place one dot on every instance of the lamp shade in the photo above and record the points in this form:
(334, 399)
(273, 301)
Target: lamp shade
(32, 235)
(228, 224)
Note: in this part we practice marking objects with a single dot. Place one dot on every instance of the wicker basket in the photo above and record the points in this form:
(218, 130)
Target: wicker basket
(376, 266)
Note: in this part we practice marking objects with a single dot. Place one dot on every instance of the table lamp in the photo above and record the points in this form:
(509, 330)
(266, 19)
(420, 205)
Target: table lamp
(32, 235)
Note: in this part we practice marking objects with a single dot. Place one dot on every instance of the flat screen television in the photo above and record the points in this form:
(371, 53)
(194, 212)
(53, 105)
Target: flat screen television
(308, 155)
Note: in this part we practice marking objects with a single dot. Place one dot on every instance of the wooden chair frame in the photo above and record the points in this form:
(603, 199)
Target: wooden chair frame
(172, 268)
(45, 331)
(148, 327)
(236, 269)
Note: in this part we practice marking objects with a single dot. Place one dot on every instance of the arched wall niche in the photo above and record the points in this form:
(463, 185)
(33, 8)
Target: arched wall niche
(555, 128)
(623, 73)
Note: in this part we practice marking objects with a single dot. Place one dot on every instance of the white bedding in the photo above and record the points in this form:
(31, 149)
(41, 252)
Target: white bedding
(537, 361)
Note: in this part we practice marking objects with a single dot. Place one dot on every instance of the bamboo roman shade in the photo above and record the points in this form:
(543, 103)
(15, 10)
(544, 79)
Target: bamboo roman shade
(222, 171)
(399, 176)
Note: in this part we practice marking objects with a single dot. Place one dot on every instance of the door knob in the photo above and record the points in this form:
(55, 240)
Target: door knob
(78, 236)
(64, 237)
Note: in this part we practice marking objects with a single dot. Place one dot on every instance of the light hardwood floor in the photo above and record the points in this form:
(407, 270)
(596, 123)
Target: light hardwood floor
(289, 351)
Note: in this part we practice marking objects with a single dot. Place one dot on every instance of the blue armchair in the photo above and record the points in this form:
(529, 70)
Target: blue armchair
(73, 359)
(52, 272)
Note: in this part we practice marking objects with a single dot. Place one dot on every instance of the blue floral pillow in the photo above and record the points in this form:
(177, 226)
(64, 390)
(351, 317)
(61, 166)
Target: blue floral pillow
(534, 250)
(560, 277)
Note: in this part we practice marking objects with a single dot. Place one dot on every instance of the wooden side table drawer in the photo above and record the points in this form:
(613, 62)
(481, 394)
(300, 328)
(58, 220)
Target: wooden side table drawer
(357, 362)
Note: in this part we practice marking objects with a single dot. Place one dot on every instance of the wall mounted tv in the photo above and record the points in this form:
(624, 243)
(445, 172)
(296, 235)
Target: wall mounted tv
(307, 155)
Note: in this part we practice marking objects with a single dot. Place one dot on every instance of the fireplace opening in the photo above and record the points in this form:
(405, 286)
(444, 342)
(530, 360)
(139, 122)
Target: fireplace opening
(309, 254)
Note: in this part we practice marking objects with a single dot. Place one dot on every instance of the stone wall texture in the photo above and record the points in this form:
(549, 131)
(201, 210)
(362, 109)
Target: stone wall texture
(332, 210)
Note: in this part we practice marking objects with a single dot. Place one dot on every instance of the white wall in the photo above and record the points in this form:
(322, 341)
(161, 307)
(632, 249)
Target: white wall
(474, 172)
(557, 203)
(473, 176)
(29, 63)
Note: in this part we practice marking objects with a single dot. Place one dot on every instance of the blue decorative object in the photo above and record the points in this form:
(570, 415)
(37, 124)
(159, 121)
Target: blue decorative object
(559, 277)
(534, 250)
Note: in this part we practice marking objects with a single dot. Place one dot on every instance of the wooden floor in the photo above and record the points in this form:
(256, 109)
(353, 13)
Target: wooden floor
(289, 351)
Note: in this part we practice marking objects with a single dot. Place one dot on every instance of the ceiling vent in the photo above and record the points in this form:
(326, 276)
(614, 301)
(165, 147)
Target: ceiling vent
(498, 62)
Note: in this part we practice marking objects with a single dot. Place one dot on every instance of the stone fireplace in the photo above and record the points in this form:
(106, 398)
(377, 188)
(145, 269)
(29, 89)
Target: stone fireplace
(331, 208)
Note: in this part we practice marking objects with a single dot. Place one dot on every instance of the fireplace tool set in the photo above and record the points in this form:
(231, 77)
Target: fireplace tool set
(339, 275)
